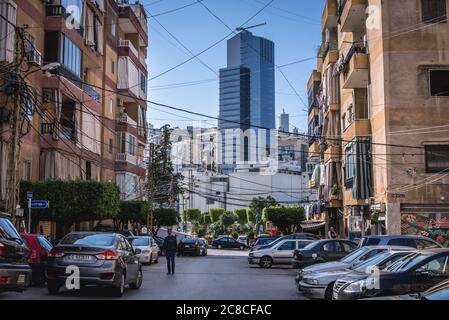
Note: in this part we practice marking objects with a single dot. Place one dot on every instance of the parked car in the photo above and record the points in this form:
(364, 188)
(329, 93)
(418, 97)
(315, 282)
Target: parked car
(354, 258)
(189, 246)
(148, 247)
(104, 259)
(227, 243)
(242, 239)
(261, 241)
(305, 236)
(39, 248)
(438, 292)
(280, 253)
(419, 242)
(160, 244)
(320, 285)
(413, 273)
(322, 251)
(15, 272)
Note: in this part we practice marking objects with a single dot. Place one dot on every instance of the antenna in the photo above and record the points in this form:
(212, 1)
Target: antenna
(250, 27)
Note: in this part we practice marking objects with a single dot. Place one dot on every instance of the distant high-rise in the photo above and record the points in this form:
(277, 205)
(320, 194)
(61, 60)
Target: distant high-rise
(247, 99)
(284, 122)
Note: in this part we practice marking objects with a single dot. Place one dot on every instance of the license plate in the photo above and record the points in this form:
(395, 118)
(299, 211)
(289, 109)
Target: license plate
(21, 279)
(80, 258)
(187, 246)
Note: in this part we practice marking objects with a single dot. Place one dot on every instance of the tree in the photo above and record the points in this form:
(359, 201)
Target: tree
(285, 218)
(216, 213)
(169, 184)
(251, 216)
(258, 204)
(206, 219)
(73, 201)
(242, 216)
(131, 211)
(192, 215)
(227, 219)
(165, 217)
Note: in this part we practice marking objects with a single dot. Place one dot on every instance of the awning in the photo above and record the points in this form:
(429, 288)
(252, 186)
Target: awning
(312, 225)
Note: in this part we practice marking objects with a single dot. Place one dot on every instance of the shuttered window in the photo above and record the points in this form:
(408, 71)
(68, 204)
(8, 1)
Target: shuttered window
(433, 11)
(437, 158)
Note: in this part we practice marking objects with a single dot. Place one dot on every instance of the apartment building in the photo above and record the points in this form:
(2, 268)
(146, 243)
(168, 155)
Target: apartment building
(89, 118)
(377, 115)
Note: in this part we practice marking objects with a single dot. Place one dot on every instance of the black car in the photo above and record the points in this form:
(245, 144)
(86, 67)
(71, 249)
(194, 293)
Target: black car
(189, 246)
(15, 272)
(304, 236)
(322, 251)
(103, 259)
(227, 243)
(414, 273)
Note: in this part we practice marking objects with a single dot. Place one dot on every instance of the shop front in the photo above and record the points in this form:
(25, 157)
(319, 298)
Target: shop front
(427, 220)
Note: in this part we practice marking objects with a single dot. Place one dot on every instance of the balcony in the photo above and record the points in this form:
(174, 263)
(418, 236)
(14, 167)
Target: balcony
(126, 124)
(128, 78)
(329, 18)
(313, 113)
(126, 157)
(352, 15)
(57, 10)
(358, 128)
(314, 148)
(133, 20)
(332, 153)
(357, 71)
(129, 45)
(92, 92)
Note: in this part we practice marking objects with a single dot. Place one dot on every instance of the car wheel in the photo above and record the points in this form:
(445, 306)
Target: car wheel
(120, 288)
(139, 280)
(53, 288)
(219, 246)
(266, 262)
(329, 291)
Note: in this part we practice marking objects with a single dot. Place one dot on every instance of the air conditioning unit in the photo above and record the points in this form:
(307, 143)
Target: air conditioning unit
(34, 57)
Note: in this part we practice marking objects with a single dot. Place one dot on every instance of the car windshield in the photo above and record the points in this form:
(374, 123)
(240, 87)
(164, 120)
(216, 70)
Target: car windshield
(354, 255)
(89, 239)
(44, 243)
(7, 230)
(369, 242)
(408, 262)
(374, 261)
(188, 240)
(141, 242)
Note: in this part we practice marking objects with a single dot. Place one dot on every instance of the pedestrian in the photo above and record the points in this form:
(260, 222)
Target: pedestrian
(170, 246)
(331, 233)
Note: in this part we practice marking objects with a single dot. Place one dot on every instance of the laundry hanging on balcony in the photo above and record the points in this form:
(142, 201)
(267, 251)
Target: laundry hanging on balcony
(363, 172)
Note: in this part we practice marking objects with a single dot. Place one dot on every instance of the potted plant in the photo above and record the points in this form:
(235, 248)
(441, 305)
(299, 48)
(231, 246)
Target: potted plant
(335, 192)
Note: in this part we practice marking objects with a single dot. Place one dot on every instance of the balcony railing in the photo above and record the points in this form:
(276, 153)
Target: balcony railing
(57, 10)
(126, 157)
(352, 15)
(128, 44)
(47, 128)
(124, 118)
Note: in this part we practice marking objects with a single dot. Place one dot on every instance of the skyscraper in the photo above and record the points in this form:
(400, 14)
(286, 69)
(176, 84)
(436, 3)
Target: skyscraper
(284, 122)
(247, 99)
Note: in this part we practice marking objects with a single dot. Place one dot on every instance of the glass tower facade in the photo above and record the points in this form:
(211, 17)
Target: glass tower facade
(247, 98)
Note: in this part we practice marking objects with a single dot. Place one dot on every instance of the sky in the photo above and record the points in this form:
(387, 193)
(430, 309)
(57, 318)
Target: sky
(293, 25)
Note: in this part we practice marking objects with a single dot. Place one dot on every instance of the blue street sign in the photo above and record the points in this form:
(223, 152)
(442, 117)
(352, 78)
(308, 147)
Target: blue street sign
(29, 195)
(40, 204)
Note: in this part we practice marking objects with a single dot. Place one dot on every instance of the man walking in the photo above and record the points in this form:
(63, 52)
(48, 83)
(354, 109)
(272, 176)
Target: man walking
(170, 246)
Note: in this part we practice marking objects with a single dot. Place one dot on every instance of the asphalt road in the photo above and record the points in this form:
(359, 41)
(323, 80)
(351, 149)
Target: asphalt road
(222, 275)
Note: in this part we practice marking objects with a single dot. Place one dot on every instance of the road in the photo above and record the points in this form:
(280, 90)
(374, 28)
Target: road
(222, 275)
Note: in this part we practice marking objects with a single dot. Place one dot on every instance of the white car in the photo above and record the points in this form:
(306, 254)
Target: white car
(149, 249)
(242, 239)
(280, 253)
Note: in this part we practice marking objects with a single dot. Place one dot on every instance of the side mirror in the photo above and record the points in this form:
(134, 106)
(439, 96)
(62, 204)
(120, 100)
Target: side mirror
(137, 251)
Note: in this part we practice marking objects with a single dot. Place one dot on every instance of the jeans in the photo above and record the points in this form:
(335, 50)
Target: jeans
(170, 256)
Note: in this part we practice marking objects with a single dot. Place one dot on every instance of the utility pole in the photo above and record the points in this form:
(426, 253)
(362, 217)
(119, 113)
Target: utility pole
(150, 183)
(15, 123)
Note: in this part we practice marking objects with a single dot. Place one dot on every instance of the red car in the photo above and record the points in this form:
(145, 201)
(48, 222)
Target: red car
(39, 248)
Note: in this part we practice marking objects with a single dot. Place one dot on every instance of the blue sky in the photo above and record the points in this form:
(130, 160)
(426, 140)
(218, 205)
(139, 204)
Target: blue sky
(294, 26)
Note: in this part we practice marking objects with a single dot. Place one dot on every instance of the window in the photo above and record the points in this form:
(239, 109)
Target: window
(437, 158)
(439, 83)
(404, 242)
(44, 243)
(143, 83)
(74, 7)
(289, 245)
(110, 105)
(433, 11)
(349, 166)
(347, 247)
(328, 247)
(88, 170)
(113, 66)
(437, 267)
(424, 244)
(110, 146)
(370, 254)
(29, 107)
(70, 55)
(26, 170)
(113, 28)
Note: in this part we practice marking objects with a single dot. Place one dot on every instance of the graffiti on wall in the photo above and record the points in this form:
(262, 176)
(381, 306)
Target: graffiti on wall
(432, 225)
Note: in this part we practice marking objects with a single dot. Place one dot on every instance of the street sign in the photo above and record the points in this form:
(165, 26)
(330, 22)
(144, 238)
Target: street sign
(40, 204)
(29, 195)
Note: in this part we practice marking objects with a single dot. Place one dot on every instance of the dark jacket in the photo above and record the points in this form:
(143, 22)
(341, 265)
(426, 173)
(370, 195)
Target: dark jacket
(170, 244)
